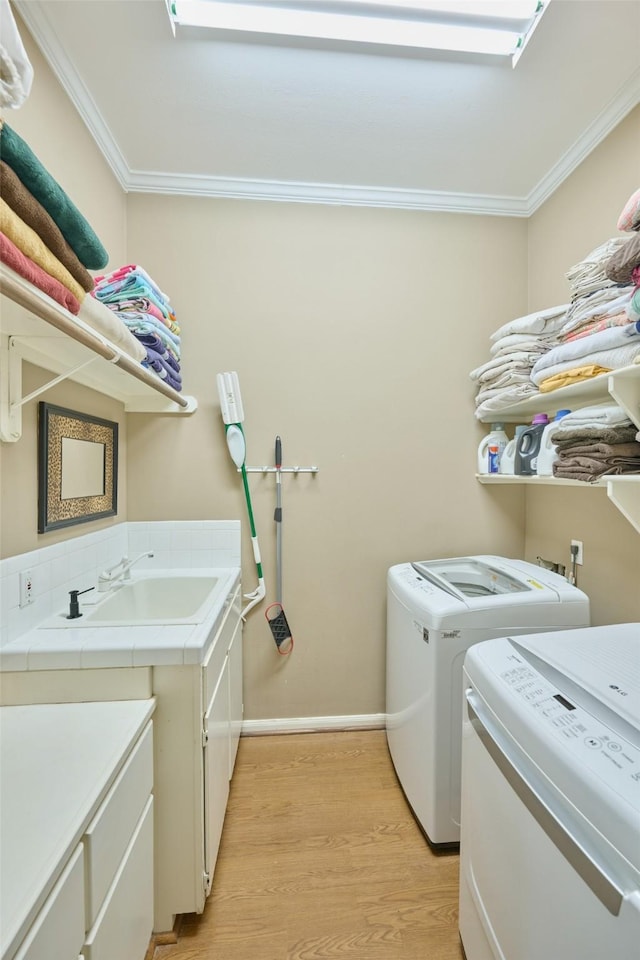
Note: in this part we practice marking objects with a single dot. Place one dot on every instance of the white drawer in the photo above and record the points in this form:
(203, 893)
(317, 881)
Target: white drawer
(58, 931)
(214, 661)
(123, 927)
(110, 831)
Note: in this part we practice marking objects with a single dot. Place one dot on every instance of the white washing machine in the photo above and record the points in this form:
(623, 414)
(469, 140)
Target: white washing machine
(436, 610)
(550, 848)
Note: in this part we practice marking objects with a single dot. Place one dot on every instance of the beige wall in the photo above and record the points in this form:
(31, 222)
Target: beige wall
(51, 126)
(352, 331)
(580, 216)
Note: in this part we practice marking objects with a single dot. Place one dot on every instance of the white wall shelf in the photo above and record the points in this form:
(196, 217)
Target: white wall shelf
(35, 328)
(621, 387)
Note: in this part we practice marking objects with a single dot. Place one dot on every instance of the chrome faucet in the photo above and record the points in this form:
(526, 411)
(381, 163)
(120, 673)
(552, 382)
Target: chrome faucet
(123, 567)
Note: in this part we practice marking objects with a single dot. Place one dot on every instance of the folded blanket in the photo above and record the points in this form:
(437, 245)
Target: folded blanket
(516, 362)
(28, 270)
(621, 265)
(39, 182)
(589, 274)
(16, 72)
(18, 198)
(502, 399)
(632, 309)
(101, 319)
(515, 342)
(607, 339)
(566, 378)
(613, 359)
(596, 325)
(541, 322)
(601, 303)
(28, 241)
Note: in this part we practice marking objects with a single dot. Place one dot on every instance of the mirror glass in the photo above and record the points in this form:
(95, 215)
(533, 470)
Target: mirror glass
(82, 469)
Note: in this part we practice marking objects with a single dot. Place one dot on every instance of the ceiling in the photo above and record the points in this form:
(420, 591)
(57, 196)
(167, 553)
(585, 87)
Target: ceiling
(324, 123)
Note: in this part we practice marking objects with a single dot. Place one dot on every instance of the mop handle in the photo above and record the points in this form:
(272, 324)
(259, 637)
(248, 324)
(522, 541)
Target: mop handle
(278, 519)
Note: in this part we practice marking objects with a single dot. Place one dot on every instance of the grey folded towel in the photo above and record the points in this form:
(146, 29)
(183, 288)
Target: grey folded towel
(590, 470)
(603, 451)
(621, 433)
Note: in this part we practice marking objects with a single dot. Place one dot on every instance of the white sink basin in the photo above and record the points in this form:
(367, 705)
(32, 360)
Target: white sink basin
(149, 601)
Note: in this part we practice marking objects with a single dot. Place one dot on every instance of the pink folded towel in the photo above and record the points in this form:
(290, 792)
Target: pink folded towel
(26, 268)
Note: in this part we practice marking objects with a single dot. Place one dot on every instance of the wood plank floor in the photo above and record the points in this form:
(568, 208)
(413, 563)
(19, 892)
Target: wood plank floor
(321, 859)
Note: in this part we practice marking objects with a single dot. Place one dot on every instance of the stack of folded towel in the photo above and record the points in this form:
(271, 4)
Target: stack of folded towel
(147, 314)
(600, 332)
(46, 240)
(516, 346)
(594, 442)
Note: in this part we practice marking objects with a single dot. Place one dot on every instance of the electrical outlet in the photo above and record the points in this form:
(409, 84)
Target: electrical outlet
(26, 588)
(579, 554)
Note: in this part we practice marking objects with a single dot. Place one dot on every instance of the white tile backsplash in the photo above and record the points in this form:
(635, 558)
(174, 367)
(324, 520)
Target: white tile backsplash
(75, 564)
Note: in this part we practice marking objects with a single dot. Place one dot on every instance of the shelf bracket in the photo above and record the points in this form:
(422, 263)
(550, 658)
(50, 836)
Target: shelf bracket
(11, 399)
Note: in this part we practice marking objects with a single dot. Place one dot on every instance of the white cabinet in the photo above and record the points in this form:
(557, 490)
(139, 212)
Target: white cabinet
(76, 802)
(198, 722)
(621, 386)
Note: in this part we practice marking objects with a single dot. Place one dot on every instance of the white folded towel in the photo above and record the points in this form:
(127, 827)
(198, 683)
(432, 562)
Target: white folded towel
(599, 415)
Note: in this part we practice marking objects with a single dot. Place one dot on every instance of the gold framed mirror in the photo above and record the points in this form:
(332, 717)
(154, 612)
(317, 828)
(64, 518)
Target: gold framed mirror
(77, 467)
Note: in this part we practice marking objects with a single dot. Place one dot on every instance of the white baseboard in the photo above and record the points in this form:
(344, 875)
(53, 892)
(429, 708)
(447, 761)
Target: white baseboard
(256, 728)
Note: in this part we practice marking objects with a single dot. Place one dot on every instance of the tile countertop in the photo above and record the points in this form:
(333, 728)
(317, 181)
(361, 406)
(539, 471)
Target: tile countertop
(58, 762)
(72, 648)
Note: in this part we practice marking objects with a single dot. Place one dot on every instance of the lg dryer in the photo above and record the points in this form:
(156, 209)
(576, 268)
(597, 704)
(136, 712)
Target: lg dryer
(550, 848)
(435, 611)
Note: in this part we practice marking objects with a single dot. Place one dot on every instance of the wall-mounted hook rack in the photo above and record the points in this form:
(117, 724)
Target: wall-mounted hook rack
(282, 469)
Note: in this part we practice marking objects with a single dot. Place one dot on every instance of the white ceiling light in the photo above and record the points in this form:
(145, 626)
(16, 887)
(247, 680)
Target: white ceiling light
(499, 28)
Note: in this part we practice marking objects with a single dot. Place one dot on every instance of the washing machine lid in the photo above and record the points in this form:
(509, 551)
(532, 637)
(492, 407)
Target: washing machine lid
(473, 579)
(569, 703)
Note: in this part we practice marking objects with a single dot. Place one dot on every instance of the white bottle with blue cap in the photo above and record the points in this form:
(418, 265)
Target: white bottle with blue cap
(548, 454)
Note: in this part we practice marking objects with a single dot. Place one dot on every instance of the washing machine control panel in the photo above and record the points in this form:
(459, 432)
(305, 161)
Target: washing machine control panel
(595, 744)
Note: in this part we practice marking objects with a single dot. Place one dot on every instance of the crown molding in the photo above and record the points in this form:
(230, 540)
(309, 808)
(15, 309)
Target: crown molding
(136, 181)
(627, 98)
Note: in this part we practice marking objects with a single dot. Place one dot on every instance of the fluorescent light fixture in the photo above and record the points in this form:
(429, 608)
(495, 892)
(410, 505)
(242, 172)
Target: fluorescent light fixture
(497, 28)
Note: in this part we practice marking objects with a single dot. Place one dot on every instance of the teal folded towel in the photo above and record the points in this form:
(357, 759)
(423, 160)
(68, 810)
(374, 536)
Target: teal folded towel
(39, 182)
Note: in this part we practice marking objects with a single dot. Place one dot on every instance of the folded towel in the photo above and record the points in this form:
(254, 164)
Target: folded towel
(541, 322)
(588, 470)
(16, 72)
(47, 191)
(101, 319)
(151, 341)
(632, 309)
(28, 270)
(140, 324)
(599, 414)
(566, 378)
(18, 198)
(131, 285)
(32, 246)
(135, 268)
(601, 450)
(144, 305)
(596, 325)
(156, 363)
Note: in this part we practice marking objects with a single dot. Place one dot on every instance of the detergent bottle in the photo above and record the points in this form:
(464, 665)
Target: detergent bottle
(528, 446)
(498, 438)
(547, 455)
(508, 458)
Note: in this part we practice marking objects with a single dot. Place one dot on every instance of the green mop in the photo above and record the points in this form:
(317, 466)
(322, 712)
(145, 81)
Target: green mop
(233, 415)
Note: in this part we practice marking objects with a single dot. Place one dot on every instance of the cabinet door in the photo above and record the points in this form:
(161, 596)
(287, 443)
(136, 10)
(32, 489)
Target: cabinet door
(216, 771)
(58, 930)
(236, 707)
(123, 928)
